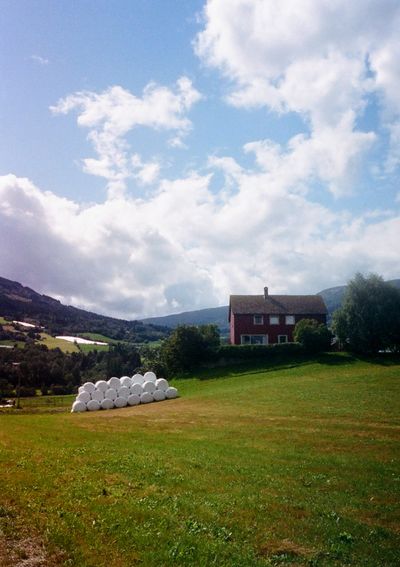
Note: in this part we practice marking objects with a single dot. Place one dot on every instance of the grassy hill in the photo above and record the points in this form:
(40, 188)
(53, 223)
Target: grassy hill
(262, 466)
(22, 303)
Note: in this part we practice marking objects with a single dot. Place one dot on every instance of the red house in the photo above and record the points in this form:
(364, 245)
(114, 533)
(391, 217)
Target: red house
(266, 319)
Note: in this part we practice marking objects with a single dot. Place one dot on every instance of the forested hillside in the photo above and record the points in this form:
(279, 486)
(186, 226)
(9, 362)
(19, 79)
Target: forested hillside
(22, 303)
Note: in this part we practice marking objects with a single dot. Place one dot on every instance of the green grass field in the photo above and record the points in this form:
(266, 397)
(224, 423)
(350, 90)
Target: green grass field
(296, 465)
(52, 342)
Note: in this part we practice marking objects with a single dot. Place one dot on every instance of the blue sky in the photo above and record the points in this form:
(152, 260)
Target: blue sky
(157, 156)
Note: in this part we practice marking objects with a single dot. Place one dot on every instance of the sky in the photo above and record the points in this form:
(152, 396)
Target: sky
(158, 156)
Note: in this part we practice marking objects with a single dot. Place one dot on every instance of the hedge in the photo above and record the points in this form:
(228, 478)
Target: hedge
(257, 352)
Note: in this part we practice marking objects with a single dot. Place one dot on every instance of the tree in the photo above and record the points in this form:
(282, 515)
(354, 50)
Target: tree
(188, 347)
(314, 336)
(369, 319)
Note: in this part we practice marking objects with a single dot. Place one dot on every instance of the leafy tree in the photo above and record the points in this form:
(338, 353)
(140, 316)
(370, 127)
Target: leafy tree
(369, 319)
(188, 347)
(314, 336)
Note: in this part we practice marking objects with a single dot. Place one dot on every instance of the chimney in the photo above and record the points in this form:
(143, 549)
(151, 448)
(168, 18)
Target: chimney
(265, 293)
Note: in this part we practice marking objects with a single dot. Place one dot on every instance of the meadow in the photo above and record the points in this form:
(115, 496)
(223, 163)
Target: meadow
(296, 464)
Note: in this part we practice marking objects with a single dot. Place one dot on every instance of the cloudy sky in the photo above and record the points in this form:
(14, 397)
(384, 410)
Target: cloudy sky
(156, 156)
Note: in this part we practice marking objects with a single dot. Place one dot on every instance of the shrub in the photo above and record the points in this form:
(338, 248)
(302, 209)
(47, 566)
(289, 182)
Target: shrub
(313, 336)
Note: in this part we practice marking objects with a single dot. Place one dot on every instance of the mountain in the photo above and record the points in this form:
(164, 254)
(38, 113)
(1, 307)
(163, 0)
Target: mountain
(24, 304)
(213, 315)
(332, 296)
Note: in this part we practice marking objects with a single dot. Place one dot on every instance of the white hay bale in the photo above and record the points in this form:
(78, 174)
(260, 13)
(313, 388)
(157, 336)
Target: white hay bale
(97, 395)
(123, 392)
(146, 398)
(81, 389)
(136, 389)
(83, 397)
(159, 395)
(111, 394)
(78, 406)
(120, 402)
(149, 387)
(133, 400)
(150, 377)
(93, 405)
(137, 379)
(89, 387)
(171, 393)
(101, 385)
(126, 381)
(162, 384)
(107, 403)
(114, 382)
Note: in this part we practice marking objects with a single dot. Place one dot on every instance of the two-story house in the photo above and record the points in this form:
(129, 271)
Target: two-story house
(267, 319)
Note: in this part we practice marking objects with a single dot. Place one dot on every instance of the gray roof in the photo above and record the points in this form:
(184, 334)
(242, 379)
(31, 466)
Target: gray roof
(278, 304)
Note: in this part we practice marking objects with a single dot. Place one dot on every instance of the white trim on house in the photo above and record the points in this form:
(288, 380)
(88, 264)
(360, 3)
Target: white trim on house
(258, 319)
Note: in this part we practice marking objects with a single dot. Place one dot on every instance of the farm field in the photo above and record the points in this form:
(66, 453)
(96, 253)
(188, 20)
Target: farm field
(289, 465)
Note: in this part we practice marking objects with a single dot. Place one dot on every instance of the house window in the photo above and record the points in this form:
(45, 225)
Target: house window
(282, 339)
(258, 319)
(274, 319)
(254, 339)
(289, 320)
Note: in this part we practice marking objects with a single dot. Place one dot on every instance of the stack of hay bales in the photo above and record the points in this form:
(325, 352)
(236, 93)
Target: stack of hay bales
(122, 392)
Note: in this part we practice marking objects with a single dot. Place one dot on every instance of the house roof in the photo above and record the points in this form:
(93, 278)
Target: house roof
(277, 304)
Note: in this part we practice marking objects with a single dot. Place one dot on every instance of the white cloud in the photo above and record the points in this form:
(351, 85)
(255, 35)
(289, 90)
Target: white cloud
(321, 59)
(131, 258)
(110, 115)
(40, 60)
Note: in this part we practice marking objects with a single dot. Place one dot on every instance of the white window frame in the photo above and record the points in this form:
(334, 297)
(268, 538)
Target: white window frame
(242, 342)
(282, 342)
(274, 319)
(261, 322)
(290, 320)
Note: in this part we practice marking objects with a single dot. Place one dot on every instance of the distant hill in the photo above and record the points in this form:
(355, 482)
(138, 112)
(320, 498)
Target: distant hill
(213, 315)
(22, 303)
(332, 296)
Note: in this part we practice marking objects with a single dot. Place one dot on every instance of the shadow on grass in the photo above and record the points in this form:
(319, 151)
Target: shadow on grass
(261, 366)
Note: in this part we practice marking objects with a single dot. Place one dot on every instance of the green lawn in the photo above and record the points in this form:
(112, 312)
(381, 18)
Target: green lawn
(52, 342)
(296, 465)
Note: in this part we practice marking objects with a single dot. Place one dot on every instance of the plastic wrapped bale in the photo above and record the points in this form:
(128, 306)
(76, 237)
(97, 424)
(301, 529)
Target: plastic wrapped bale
(107, 403)
(81, 389)
(114, 382)
(171, 393)
(93, 405)
(133, 400)
(111, 394)
(146, 398)
(89, 387)
(126, 381)
(102, 386)
(120, 402)
(136, 389)
(78, 406)
(149, 387)
(162, 384)
(159, 395)
(150, 377)
(123, 392)
(97, 395)
(137, 379)
(83, 397)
